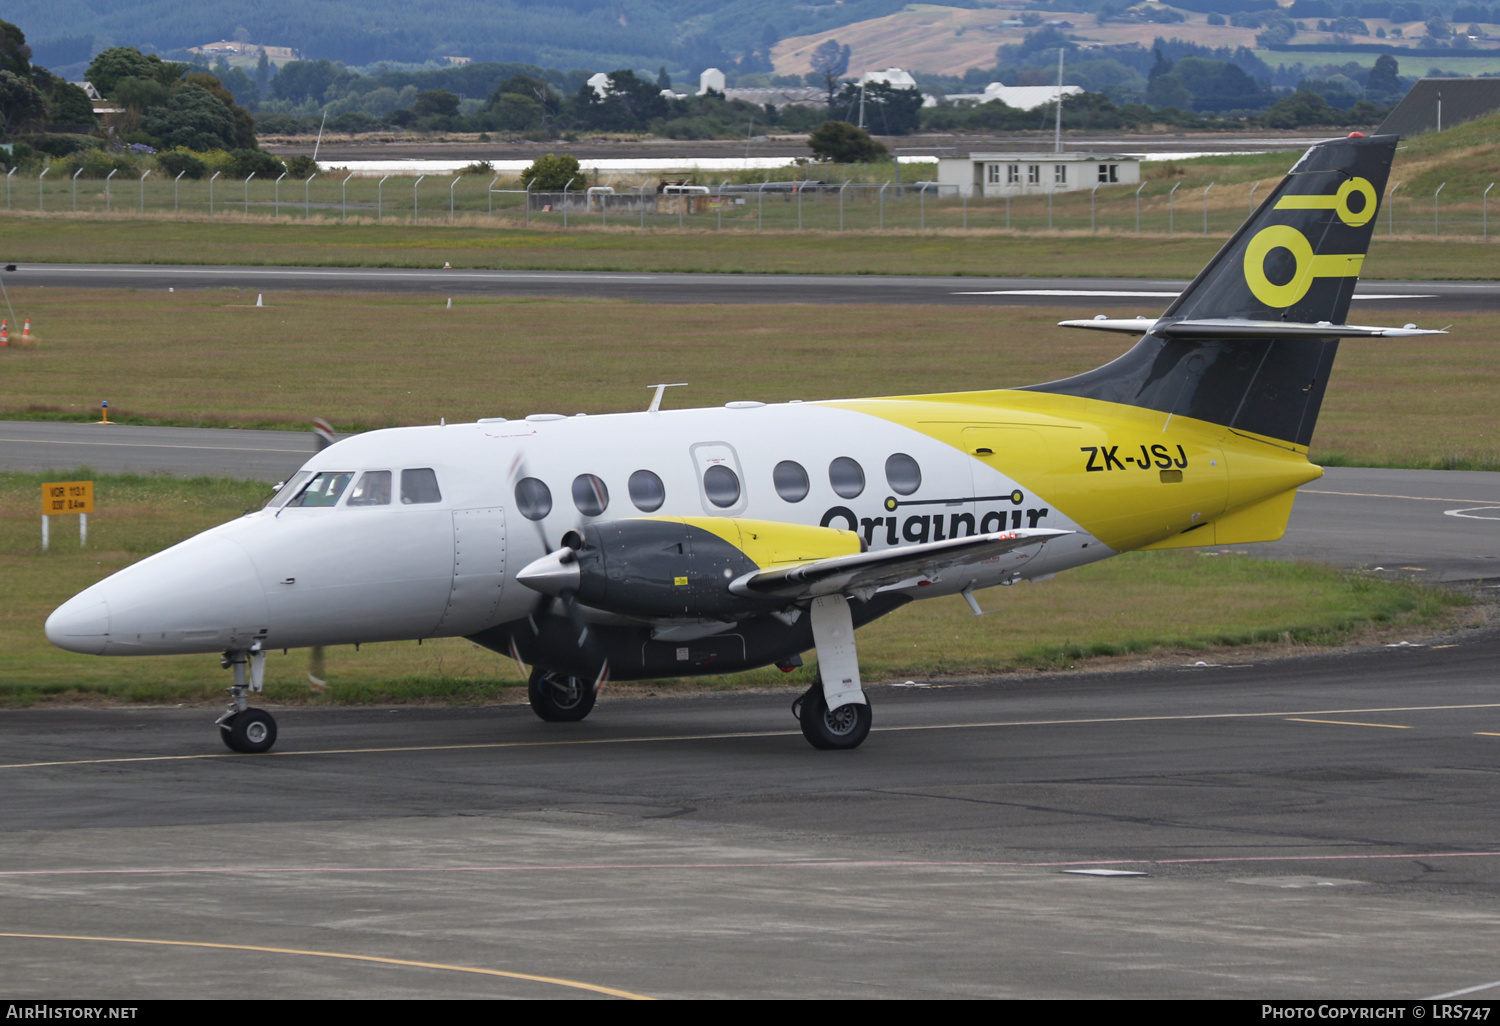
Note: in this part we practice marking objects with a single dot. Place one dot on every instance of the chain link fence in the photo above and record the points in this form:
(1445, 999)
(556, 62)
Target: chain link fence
(1155, 208)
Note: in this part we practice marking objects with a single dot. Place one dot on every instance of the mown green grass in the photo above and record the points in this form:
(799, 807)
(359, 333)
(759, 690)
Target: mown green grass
(986, 249)
(366, 361)
(1142, 602)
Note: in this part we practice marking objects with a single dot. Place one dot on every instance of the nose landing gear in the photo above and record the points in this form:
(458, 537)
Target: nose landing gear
(245, 729)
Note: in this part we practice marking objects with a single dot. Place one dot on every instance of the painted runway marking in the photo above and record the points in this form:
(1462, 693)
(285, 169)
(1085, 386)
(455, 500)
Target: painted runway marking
(1469, 513)
(433, 273)
(1466, 990)
(554, 981)
(1346, 723)
(747, 864)
(1126, 294)
(153, 445)
(1188, 717)
(1102, 293)
(1375, 495)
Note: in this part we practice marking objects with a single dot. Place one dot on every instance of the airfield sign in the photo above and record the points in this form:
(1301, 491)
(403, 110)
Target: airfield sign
(63, 497)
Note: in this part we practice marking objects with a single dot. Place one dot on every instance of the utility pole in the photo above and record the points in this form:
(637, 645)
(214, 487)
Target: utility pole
(1057, 143)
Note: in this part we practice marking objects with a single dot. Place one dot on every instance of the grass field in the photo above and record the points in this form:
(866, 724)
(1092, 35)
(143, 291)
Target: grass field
(212, 358)
(1180, 601)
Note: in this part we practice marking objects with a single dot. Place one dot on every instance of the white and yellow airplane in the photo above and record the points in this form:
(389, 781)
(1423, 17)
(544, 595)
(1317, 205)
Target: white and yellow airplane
(681, 542)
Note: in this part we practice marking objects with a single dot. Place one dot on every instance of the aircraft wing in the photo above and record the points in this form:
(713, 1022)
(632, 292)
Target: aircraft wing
(870, 570)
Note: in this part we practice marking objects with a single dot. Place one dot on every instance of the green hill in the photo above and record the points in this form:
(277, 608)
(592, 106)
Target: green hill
(684, 35)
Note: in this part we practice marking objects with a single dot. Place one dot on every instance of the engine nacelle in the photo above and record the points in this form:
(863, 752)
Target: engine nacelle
(678, 567)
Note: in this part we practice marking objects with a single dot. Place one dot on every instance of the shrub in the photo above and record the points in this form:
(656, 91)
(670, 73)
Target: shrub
(301, 165)
(60, 145)
(180, 162)
(243, 163)
(552, 173)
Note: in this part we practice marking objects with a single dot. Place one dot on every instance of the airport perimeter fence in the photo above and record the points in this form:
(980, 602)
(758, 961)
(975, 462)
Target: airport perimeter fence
(1156, 207)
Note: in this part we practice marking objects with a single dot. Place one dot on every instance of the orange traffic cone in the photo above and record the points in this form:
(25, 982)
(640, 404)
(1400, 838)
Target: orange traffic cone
(4, 333)
(26, 331)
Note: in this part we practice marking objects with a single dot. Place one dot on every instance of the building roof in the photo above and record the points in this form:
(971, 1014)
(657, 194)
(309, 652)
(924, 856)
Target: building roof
(1038, 158)
(1463, 99)
(780, 96)
(1019, 97)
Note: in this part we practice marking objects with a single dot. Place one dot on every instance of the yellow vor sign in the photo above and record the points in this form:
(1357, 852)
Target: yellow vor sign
(67, 497)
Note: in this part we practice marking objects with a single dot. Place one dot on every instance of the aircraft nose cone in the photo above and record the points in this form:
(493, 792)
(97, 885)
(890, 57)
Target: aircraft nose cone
(553, 574)
(80, 624)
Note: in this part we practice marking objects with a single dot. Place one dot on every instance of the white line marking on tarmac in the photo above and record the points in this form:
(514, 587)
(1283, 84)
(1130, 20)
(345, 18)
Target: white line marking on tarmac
(1124, 294)
(1373, 495)
(1461, 993)
(1468, 514)
(1106, 293)
(442, 275)
(1187, 717)
(152, 445)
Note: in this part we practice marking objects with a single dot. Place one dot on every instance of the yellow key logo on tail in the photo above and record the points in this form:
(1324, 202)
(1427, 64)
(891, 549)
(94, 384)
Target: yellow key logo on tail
(1308, 265)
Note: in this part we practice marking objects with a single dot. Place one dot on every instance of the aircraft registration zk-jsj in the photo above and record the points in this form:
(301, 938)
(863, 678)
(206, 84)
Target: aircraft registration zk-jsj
(673, 543)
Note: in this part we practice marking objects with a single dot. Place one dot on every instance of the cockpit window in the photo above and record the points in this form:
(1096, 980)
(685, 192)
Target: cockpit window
(419, 486)
(288, 489)
(372, 489)
(323, 490)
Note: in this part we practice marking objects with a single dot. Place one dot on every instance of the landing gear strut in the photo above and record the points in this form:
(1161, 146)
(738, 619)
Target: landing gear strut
(245, 729)
(843, 728)
(559, 698)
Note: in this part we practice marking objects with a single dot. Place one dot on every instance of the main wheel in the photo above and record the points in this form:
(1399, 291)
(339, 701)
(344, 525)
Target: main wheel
(844, 727)
(251, 731)
(558, 698)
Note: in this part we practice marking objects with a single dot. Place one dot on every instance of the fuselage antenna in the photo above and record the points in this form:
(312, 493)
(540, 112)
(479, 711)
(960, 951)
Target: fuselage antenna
(661, 390)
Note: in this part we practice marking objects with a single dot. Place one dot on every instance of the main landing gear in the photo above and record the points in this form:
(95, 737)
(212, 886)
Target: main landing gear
(244, 729)
(559, 698)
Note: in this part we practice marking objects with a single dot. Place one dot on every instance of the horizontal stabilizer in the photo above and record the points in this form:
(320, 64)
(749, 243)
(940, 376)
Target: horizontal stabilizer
(884, 566)
(1232, 327)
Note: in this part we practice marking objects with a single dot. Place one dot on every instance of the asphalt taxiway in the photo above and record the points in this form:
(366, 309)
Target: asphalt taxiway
(1320, 827)
(1133, 296)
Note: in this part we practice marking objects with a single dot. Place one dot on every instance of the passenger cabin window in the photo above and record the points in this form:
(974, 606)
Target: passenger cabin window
(372, 489)
(721, 485)
(903, 474)
(324, 489)
(289, 489)
(790, 481)
(847, 477)
(419, 486)
(647, 491)
(533, 498)
(590, 495)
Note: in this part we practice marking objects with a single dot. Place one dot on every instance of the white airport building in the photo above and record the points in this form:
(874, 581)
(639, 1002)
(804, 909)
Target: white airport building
(1019, 97)
(1025, 174)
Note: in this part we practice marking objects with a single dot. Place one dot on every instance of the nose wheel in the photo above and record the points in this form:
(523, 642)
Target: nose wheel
(244, 729)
